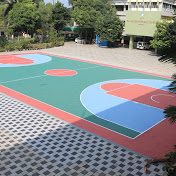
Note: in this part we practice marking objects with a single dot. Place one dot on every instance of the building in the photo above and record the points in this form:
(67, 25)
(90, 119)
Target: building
(141, 16)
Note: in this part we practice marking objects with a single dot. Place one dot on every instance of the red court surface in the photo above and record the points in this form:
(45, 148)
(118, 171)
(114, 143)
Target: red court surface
(61, 72)
(154, 143)
(12, 59)
(142, 94)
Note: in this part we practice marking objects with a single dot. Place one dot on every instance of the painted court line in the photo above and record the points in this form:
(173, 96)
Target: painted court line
(124, 125)
(112, 123)
(97, 63)
(157, 95)
(21, 79)
(44, 75)
(51, 110)
(109, 120)
(140, 145)
(8, 92)
(117, 88)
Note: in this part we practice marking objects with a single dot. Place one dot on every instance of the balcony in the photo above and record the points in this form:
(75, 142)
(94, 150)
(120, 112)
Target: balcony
(119, 2)
(167, 12)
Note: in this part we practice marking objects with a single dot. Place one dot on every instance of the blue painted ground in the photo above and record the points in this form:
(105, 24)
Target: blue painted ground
(38, 59)
(132, 115)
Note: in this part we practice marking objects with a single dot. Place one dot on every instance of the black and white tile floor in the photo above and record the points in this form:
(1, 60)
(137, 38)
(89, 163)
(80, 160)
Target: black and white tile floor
(33, 143)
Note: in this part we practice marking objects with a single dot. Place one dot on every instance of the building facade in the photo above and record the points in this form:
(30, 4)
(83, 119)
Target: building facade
(140, 17)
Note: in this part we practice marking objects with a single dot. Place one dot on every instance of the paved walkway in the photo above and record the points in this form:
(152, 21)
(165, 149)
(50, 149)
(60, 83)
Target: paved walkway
(33, 143)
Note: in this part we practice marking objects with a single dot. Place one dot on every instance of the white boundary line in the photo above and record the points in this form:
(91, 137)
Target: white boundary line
(33, 64)
(122, 125)
(78, 127)
(21, 79)
(106, 119)
(117, 88)
(81, 102)
(46, 75)
(157, 95)
(63, 111)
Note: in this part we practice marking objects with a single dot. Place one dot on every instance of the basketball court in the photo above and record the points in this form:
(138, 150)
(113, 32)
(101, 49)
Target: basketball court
(121, 105)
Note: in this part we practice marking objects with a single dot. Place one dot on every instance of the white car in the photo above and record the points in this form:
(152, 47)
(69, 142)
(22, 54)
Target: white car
(143, 45)
(78, 40)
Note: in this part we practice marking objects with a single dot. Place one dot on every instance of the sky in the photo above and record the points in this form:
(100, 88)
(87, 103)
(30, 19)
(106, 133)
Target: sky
(65, 2)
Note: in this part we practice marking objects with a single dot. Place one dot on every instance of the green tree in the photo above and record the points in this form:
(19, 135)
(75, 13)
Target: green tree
(102, 6)
(100, 15)
(164, 41)
(71, 1)
(7, 6)
(60, 16)
(24, 16)
(108, 26)
(84, 13)
(45, 12)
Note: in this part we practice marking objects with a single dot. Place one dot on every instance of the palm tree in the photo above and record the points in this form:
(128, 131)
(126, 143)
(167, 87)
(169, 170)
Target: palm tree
(170, 111)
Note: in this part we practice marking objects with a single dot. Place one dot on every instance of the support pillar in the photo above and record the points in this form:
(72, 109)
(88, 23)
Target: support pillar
(131, 42)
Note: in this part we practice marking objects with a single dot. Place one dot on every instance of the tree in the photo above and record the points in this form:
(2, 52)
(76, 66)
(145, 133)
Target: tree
(71, 1)
(45, 12)
(100, 15)
(8, 4)
(24, 16)
(102, 6)
(84, 13)
(60, 16)
(108, 26)
(164, 41)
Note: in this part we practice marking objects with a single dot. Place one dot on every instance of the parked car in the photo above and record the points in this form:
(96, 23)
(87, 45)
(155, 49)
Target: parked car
(142, 45)
(78, 40)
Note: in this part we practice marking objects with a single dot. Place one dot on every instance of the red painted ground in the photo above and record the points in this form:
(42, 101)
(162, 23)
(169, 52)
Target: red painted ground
(11, 59)
(154, 143)
(61, 72)
(113, 86)
(142, 94)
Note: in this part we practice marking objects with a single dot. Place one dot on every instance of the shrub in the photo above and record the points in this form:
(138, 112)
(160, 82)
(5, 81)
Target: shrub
(10, 47)
(3, 41)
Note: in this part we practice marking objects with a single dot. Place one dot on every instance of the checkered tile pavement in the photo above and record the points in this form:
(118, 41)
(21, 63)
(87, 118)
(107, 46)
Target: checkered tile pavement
(33, 143)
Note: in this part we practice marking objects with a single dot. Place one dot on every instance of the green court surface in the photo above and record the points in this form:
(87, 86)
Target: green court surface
(63, 92)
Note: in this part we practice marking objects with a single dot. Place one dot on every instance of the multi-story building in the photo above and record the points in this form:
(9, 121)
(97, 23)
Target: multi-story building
(141, 16)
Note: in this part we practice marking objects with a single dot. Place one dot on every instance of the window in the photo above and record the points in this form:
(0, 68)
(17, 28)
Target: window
(169, 7)
(140, 5)
(154, 5)
(147, 5)
(133, 5)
